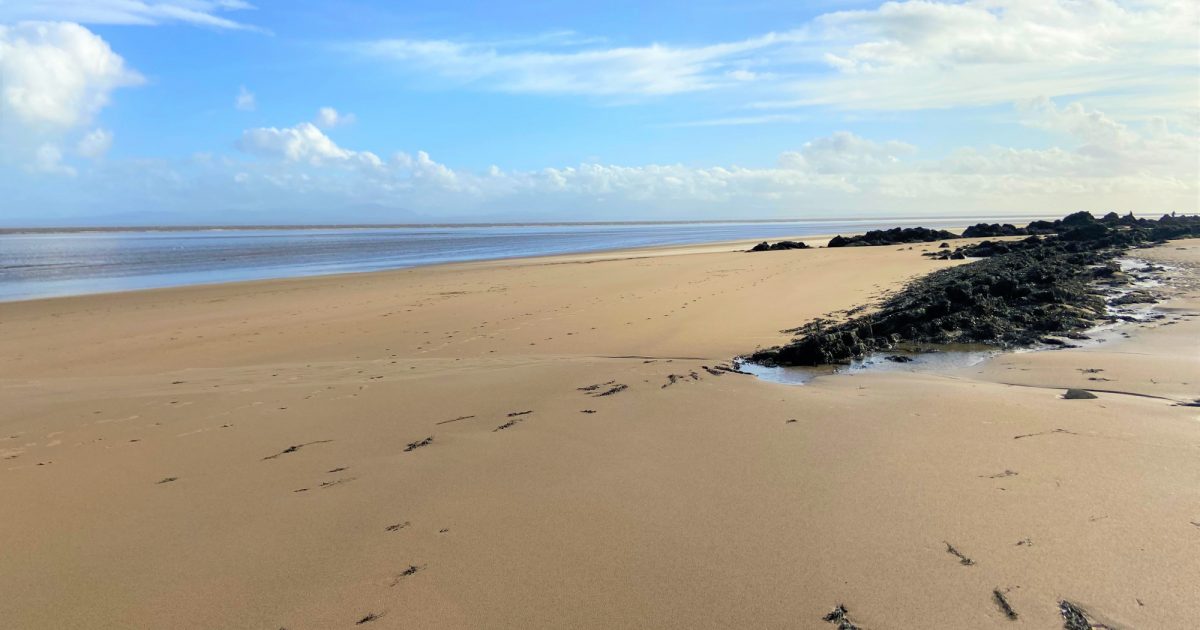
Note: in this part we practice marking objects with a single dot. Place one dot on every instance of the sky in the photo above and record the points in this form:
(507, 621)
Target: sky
(119, 112)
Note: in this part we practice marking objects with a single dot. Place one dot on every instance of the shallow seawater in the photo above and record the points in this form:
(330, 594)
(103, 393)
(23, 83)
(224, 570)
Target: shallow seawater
(56, 263)
(920, 359)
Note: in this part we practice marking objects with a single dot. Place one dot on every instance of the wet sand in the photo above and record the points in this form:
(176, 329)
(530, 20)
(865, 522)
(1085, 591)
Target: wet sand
(450, 447)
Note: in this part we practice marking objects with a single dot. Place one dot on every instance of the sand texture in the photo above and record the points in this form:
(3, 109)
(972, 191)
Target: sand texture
(548, 443)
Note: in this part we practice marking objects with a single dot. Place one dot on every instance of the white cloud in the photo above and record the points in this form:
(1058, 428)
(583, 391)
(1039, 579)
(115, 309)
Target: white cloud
(738, 121)
(298, 173)
(649, 70)
(302, 143)
(1099, 167)
(844, 152)
(54, 79)
(245, 100)
(95, 143)
(57, 74)
(917, 54)
(48, 159)
(922, 54)
(328, 118)
(136, 12)
(1113, 148)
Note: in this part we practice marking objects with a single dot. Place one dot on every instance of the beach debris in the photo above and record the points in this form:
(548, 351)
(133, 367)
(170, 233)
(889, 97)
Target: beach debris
(368, 618)
(455, 419)
(1017, 437)
(592, 388)
(412, 446)
(167, 480)
(1076, 618)
(619, 387)
(396, 526)
(1003, 605)
(507, 425)
(963, 560)
(1025, 542)
(337, 482)
(841, 617)
(789, 421)
(514, 414)
(712, 371)
(336, 470)
(587, 411)
(1078, 394)
(671, 380)
(410, 571)
(731, 369)
(899, 358)
(295, 447)
(1006, 473)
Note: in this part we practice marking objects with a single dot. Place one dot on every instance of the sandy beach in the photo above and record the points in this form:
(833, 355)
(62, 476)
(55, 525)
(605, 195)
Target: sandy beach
(549, 443)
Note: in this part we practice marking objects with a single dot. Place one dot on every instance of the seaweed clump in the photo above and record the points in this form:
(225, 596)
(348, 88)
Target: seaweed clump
(1015, 295)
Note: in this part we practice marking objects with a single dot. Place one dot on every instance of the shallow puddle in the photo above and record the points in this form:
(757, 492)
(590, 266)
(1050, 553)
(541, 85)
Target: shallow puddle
(920, 359)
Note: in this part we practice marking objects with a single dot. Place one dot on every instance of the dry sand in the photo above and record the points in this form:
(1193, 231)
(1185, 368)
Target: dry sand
(238, 456)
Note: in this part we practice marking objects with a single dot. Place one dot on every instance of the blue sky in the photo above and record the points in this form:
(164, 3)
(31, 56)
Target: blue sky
(220, 111)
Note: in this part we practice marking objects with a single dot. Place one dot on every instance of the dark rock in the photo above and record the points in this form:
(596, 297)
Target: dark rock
(841, 617)
(899, 358)
(1078, 394)
(993, 229)
(767, 247)
(1076, 618)
(893, 236)
(1135, 297)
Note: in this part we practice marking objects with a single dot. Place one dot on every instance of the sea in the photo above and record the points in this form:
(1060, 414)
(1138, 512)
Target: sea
(53, 263)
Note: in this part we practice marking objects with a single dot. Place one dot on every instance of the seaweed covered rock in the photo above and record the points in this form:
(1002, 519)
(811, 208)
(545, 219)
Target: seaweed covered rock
(768, 247)
(893, 236)
(992, 230)
(1015, 295)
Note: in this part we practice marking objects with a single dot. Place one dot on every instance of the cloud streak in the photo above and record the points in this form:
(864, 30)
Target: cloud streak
(909, 55)
(635, 71)
(206, 13)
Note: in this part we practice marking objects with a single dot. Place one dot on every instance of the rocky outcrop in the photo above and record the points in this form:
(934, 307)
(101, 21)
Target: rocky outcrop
(1015, 295)
(992, 230)
(768, 247)
(893, 236)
